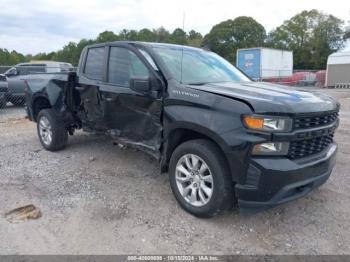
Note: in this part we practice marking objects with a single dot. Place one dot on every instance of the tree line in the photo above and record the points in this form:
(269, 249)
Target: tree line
(311, 35)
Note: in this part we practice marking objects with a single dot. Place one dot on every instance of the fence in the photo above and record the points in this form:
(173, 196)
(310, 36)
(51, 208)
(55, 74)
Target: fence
(295, 77)
(9, 109)
(11, 86)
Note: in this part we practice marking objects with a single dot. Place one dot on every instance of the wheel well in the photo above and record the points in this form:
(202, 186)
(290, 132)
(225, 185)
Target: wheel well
(39, 104)
(179, 136)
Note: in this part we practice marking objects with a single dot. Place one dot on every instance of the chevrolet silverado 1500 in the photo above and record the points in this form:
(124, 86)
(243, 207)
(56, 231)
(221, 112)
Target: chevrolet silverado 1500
(222, 138)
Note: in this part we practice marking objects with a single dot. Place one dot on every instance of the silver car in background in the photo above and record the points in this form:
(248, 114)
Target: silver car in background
(12, 84)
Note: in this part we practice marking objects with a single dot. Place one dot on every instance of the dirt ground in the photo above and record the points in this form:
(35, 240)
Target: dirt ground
(97, 198)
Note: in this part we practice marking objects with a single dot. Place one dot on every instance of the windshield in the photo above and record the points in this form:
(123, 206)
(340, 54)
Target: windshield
(10, 71)
(198, 66)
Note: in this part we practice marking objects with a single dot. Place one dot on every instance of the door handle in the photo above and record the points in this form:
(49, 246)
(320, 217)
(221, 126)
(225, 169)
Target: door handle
(80, 88)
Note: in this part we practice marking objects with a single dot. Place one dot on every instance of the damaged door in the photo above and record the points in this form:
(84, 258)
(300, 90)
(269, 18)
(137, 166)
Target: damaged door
(92, 106)
(132, 115)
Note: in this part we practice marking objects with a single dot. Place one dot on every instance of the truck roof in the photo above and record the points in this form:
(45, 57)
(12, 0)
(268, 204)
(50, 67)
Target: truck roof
(151, 44)
(38, 62)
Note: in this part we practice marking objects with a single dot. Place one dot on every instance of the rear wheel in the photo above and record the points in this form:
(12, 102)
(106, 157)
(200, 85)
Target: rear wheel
(51, 130)
(200, 179)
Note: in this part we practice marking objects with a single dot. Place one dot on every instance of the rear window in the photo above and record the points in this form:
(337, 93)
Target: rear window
(94, 63)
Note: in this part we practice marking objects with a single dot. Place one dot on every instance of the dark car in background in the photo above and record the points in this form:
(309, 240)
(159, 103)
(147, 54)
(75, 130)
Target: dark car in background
(12, 84)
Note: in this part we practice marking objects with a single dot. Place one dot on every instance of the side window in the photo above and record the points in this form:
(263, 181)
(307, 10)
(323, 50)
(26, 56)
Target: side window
(11, 71)
(94, 63)
(21, 70)
(39, 68)
(123, 64)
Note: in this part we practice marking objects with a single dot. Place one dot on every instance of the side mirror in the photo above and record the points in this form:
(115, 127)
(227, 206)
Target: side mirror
(144, 85)
(140, 85)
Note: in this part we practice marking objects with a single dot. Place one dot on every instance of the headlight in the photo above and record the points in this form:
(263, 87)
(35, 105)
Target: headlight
(268, 123)
(271, 148)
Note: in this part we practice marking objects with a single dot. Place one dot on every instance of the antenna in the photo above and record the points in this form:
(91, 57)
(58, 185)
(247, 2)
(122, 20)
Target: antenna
(183, 42)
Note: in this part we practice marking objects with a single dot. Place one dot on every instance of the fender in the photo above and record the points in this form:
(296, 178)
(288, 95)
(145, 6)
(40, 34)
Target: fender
(53, 92)
(186, 125)
(213, 116)
(231, 148)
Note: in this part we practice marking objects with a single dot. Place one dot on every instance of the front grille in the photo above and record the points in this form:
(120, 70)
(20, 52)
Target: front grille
(304, 148)
(315, 121)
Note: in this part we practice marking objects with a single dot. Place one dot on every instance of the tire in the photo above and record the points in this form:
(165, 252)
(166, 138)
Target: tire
(51, 130)
(221, 197)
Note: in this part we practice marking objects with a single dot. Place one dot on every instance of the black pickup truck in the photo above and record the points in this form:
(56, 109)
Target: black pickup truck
(222, 138)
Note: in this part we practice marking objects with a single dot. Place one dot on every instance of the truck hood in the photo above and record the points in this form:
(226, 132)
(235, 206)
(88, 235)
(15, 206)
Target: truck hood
(272, 98)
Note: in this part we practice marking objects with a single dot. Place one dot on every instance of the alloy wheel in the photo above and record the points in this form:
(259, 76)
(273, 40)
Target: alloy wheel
(194, 180)
(45, 130)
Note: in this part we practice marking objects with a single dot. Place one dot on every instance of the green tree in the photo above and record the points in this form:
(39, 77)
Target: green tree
(11, 58)
(123, 34)
(147, 35)
(107, 36)
(194, 38)
(162, 35)
(194, 34)
(228, 36)
(128, 35)
(132, 35)
(69, 54)
(347, 34)
(15, 58)
(311, 35)
(42, 56)
(347, 31)
(178, 36)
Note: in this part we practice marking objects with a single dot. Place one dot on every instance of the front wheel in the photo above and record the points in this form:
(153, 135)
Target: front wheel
(51, 130)
(200, 179)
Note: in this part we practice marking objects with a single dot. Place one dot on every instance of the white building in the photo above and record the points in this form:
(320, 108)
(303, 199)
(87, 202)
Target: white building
(338, 69)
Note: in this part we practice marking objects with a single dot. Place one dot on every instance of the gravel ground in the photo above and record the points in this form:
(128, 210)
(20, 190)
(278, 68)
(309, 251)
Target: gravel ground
(11, 112)
(97, 198)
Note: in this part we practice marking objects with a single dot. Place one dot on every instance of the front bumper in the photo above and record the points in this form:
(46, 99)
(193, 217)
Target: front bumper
(271, 181)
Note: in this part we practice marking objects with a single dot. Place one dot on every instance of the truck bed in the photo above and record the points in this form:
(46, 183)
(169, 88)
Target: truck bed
(52, 86)
(38, 81)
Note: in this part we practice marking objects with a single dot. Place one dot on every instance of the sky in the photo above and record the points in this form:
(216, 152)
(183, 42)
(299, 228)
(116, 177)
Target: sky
(33, 26)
